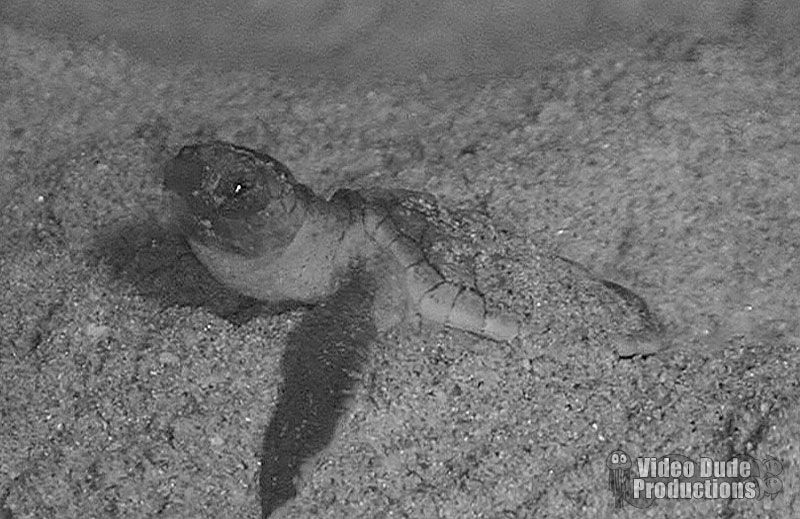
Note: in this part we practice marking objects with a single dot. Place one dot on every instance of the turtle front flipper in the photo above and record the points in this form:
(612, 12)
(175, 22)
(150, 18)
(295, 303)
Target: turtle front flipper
(430, 294)
(457, 306)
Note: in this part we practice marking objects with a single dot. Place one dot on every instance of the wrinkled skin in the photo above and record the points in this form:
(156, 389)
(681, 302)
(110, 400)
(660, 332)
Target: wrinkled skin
(265, 235)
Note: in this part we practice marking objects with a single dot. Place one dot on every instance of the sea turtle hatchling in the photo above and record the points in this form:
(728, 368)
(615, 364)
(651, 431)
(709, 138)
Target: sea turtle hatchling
(265, 235)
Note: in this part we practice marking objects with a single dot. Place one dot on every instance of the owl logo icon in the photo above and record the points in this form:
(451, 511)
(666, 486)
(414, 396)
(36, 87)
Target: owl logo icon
(770, 484)
(619, 475)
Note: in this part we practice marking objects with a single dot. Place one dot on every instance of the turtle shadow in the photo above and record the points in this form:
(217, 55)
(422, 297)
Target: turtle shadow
(160, 265)
(324, 355)
(320, 366)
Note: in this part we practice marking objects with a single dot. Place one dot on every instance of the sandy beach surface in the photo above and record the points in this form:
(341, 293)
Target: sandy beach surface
(132, 385)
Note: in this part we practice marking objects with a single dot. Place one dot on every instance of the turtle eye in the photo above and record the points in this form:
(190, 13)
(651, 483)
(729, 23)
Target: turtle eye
(240, 188)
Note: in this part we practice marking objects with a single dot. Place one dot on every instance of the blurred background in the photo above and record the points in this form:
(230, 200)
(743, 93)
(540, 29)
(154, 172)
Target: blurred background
(351, 38)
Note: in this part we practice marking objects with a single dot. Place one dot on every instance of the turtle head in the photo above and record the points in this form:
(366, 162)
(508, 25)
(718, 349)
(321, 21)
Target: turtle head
(234, 199)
